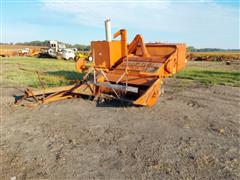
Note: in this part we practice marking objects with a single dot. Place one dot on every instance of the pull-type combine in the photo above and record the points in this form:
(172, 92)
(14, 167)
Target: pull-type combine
(130, 72)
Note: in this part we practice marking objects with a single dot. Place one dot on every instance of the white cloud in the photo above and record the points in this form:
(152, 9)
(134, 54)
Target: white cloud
(93, 14)
(207, 20)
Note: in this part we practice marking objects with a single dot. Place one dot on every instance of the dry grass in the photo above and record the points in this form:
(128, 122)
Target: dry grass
(214, 56)
(18, 47)
(217, 53)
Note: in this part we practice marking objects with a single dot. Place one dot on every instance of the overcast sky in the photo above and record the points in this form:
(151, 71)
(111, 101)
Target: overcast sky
(209, 23)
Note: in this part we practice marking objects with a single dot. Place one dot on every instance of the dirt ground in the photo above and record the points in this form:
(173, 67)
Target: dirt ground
(192, 133)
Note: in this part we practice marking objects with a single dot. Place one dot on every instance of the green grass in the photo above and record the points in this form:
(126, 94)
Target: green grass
(211, 76)
(60, 72)
(51, 71)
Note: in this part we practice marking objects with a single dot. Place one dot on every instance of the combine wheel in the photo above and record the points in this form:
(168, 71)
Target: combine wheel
(80, 65)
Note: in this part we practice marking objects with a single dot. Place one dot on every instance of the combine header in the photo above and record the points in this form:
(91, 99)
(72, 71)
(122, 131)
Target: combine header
(131, 72)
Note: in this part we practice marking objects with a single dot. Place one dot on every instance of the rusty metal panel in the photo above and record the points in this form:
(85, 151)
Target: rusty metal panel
(133, 79)
(106, 54)
(181, 56)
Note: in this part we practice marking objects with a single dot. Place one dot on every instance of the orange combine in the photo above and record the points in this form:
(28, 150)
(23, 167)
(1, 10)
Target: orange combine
(131, 72)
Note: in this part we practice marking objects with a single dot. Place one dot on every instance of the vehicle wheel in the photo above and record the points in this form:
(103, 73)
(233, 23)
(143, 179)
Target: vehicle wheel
(70, 59)
(80, 64)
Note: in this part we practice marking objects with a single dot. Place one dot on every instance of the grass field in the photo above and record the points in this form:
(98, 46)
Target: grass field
(212, 73)
(211, 76)
(22, 71)
(26, 71)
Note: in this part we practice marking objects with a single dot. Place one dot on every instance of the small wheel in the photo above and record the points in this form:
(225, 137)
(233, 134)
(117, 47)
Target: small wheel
(79, 65)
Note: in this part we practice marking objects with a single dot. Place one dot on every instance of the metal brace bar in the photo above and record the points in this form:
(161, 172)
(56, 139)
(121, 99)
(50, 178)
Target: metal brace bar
(104, 75)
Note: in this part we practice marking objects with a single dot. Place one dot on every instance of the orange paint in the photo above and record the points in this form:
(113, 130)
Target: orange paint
(131, 71)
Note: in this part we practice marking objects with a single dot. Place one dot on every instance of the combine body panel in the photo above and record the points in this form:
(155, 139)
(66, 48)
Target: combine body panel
(140, 73)
(130, 72)
(106, 54)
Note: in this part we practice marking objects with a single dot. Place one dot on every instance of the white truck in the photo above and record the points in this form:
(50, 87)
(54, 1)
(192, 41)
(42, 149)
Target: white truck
(58, 50)
(68, 54)
(54, 49)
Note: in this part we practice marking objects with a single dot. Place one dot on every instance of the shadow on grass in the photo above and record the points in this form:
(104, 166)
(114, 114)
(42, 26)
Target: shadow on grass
(69, 75)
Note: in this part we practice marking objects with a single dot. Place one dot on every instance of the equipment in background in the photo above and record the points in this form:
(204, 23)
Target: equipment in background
(28, 52)
(54, 50)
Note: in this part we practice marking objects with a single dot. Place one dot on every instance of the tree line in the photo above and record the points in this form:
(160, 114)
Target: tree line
(80, 47)
(193, 49)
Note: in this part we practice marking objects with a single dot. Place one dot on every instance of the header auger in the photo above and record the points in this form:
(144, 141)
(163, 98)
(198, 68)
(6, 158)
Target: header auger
(131, 72)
